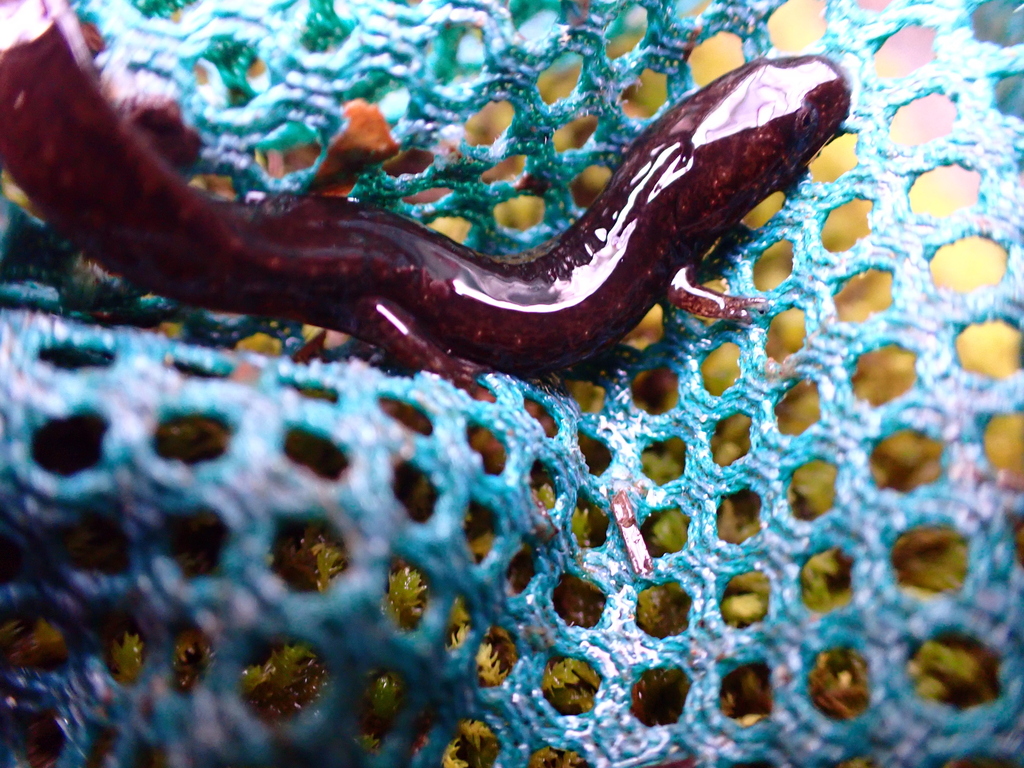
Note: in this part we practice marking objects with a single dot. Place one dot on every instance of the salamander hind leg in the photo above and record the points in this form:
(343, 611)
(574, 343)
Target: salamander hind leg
(387, 325)
(685, 293)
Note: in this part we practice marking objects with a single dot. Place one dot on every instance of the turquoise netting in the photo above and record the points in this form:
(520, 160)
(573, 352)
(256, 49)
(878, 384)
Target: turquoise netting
(151, 488)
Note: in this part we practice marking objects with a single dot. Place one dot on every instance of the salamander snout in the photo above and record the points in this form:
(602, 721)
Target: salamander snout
(824, 100)
(830, 96)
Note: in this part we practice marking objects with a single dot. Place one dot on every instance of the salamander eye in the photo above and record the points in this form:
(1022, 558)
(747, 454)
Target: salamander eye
(806, 120)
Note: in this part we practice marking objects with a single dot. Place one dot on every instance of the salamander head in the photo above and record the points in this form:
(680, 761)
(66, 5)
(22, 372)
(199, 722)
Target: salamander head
(744, 136)
(804, 99)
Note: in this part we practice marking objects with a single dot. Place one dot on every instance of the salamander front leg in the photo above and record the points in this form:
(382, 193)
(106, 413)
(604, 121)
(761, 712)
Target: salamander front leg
(387, 325)
(685, 293)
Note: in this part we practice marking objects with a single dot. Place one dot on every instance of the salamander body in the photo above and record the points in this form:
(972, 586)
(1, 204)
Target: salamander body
(337, 263)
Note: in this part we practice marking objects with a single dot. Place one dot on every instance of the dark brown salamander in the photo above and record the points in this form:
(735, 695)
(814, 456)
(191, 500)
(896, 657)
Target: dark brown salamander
(434, 304)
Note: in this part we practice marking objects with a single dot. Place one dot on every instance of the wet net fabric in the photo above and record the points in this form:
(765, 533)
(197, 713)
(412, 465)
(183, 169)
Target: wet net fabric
(188, 463)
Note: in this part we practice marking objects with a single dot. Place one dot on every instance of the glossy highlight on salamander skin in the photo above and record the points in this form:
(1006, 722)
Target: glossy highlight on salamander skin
(431, 302)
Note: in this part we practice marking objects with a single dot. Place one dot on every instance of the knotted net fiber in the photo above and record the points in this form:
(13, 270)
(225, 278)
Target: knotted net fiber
(214, 554)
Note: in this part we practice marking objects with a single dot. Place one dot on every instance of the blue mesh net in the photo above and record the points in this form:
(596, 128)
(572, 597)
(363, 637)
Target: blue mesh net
(215, 557)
